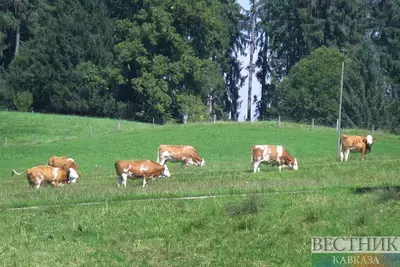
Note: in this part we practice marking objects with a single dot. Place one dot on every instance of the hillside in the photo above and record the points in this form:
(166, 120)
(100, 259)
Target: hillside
(326, 195)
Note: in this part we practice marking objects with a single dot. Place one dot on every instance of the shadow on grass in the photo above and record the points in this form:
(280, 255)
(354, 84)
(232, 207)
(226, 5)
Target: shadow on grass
(365, 190)
(384, 193)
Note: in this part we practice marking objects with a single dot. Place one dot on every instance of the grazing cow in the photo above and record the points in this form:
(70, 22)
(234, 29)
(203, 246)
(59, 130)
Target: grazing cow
(138, 169)
(62, 162)
(270, 154)
(50, 175)
(184, 154)
(355, 143)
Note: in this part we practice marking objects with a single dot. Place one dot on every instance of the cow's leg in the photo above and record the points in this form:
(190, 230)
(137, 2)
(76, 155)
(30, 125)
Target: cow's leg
(346, 155)
(162, 161)
(119, 180)
(145, 179)
(256, 165)
(341, 155)
(280, 167)
(185, 163)
(362, 155)
(124, 177)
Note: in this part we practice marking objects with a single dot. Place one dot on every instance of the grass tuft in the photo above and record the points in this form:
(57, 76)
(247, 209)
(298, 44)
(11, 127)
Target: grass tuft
(311, 218)
(251, 205)
(389, 195)
(361, 220)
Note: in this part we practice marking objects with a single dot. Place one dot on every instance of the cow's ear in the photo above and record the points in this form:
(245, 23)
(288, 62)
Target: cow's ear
(374, 139)
(364, 140)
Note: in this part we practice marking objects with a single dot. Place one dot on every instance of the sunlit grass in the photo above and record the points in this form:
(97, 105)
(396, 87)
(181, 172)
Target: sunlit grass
(120, 229)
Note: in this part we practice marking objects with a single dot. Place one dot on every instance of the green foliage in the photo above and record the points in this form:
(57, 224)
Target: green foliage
(193, 107)
(22, 101)
(311, 90)
(366, 99)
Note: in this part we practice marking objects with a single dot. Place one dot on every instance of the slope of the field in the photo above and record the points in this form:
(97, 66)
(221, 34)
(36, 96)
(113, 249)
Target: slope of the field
(124, 230)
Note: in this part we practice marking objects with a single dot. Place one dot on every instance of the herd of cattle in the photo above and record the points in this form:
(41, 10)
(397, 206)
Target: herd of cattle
(63, 170)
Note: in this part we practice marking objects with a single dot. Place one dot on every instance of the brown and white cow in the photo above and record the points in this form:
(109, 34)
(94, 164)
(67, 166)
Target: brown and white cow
(138, 169)
(50, 175)
(271, 154)
(62, 162)
(355, 143)
(184, 154)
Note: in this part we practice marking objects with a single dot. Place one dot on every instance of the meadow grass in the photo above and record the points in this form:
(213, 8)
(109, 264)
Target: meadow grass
(122, 230)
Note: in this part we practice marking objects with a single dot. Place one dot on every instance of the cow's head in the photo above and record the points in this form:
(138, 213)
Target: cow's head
(72, 175)
(369, 140)
(165, 172)
(294, 165)
(202, 163)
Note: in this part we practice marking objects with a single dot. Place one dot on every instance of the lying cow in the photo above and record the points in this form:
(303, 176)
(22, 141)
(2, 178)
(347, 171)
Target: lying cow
(138, 169)
(50, 175)
(355, 143)
(62, 162)
(270, 154)
(184, 154)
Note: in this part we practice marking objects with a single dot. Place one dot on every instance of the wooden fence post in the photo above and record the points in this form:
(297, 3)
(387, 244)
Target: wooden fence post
(5, 142)
(312, 123)
(337, 125)
(118, 127)
(279, 120)
(90, 131)
(33, 137)
(373, 129)
(153, 123)
(215, 117)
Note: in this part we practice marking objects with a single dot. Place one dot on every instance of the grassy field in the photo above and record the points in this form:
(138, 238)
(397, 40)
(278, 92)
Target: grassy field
(272, 226)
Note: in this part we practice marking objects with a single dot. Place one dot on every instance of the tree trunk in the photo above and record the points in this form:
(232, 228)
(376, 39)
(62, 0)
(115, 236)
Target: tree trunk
(17, 40)
(253, 25)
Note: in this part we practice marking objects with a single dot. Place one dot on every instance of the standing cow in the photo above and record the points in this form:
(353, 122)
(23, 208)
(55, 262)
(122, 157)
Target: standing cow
(184, 154)
(138, 169)
(270, 154)
(50, 175)
(355, 143)
(62, 162)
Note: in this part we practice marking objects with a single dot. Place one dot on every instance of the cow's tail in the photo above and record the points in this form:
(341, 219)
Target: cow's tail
(14, 172)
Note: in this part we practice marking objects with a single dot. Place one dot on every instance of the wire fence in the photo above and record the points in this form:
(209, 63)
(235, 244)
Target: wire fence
(36, 135)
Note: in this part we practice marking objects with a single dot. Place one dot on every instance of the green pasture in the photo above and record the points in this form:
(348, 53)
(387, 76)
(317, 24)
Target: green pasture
(113, 226)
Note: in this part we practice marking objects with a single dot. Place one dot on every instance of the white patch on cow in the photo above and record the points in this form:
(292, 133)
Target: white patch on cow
(73, 175)
(202, 163)
(165, 156)
(70, 159)
(55, 172)
(295, 166)
(130, 174)
(190, 161)
(266, 153)
(127, 169)
(370, 139)
(39, 180)
(143, 168)
(279, 152)
(165, 172)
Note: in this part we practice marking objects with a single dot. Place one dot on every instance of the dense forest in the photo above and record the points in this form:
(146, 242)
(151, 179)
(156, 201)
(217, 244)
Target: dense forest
(145, 59)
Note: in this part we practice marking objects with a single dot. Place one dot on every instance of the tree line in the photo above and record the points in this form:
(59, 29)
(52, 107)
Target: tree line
(160, 59)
